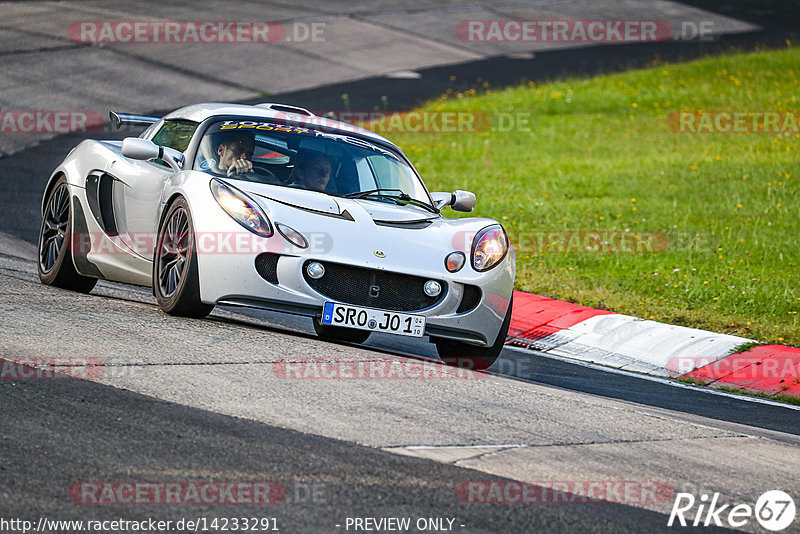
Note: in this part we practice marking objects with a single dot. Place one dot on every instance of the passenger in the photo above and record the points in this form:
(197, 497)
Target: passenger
(312, 172)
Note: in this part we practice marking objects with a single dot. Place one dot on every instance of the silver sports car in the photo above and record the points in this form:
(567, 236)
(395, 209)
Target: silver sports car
(272, 207)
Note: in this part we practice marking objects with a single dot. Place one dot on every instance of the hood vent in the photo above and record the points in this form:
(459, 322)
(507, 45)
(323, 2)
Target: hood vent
(408, 225)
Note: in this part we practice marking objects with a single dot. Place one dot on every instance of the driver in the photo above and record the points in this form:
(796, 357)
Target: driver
(312, 172)
(234, 151)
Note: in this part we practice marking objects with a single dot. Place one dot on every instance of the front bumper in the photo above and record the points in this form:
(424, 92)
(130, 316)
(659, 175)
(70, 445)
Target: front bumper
(478, 325)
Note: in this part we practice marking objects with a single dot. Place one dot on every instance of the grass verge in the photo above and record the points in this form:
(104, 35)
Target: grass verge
(599, 159)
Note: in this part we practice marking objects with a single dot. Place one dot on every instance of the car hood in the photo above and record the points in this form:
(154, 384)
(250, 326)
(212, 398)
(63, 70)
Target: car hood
(298, 198)
(381, 212)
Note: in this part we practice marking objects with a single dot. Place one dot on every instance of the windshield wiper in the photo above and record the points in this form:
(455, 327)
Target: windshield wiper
(402, 198)
(374, 192)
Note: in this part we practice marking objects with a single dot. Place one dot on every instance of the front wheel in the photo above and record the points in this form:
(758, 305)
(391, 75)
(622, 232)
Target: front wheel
(340, 333)
(55, 237)
(175, 278)
(466, 356)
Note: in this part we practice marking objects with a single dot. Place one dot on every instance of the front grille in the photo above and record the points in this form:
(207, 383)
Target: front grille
(267, 267)
(470, 299)
(356, 285)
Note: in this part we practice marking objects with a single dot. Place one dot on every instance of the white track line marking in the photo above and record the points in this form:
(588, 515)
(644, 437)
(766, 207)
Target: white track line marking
(673, 383)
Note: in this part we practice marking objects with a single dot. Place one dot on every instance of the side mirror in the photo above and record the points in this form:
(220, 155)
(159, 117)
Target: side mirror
(458, 200)
(144, 149)
(136, 148)
(463, 201)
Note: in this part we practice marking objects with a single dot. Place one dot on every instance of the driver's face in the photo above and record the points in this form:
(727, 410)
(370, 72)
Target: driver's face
(230, 152)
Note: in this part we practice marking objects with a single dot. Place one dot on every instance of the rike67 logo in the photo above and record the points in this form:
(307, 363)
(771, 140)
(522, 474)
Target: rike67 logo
(774, 510)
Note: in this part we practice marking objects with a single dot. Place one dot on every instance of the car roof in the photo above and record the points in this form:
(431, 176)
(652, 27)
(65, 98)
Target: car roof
(301, 117)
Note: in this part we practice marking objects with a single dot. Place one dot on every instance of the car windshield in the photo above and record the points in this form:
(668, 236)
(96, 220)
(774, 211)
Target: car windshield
(292, 156)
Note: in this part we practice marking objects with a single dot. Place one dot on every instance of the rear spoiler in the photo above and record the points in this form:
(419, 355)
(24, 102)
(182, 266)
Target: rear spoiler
(131, 119)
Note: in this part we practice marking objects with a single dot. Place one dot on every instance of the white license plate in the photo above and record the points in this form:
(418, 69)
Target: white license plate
(403, 324)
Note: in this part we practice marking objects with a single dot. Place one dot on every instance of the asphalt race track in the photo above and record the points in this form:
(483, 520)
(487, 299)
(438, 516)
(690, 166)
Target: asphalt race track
(181, 400)
(188, 400)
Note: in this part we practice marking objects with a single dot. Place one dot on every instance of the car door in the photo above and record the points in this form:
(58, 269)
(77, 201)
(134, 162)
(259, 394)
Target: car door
(138, 186)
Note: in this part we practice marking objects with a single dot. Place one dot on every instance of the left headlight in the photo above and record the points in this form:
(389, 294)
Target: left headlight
(241, 208)
(489, 247)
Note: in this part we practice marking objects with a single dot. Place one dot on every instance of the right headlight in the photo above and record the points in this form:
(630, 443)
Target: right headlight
(489, 247)
(241, 208)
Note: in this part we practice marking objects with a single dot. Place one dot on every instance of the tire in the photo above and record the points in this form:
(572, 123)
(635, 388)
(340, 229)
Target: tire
(176, 283)
(340, 333)
(466, 356)
(55, 264)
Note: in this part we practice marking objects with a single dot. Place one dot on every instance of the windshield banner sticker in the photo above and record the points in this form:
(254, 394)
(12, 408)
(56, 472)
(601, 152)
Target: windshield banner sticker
(263, 126)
